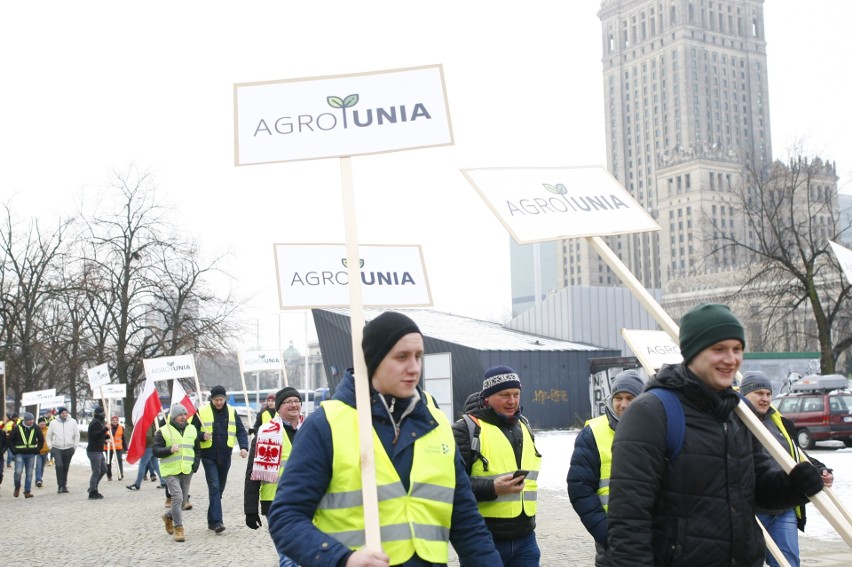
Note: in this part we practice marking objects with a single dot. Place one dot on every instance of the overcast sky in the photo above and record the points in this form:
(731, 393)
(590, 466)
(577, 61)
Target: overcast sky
(96, 86)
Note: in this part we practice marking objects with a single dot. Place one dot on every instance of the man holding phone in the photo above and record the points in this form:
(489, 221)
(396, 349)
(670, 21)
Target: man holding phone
(498, 448)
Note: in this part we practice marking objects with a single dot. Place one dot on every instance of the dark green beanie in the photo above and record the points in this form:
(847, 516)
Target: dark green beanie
(705, 325)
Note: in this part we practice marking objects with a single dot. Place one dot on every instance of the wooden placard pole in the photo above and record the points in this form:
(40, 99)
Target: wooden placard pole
(820, 499)
(362, 389)
(245, 391)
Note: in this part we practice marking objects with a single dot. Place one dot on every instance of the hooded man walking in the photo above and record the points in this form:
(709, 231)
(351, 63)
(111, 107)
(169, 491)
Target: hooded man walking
(97, 435)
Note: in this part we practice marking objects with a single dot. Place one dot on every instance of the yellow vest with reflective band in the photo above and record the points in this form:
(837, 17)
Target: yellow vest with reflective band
(268, 489)
(501, 461)
(792, 448)
(265, 417)
(414, 522)
(205, 414)
(180, 462)
(604, 435)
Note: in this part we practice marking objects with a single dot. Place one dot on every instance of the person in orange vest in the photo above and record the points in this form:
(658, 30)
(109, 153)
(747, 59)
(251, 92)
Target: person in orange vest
(116, 436)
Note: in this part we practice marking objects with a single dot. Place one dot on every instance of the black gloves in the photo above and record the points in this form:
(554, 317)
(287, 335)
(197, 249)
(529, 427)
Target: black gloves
(253, 521)
(805, 478)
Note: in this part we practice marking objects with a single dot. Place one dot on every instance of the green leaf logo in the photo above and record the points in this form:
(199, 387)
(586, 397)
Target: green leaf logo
(345, 262)
(343, 103)
(559, 188)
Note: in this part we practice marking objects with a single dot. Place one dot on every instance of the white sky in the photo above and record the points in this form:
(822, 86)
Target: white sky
(92, 87)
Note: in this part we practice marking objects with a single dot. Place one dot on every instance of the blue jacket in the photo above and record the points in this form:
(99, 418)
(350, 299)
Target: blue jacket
(584, 476)
(308, 473)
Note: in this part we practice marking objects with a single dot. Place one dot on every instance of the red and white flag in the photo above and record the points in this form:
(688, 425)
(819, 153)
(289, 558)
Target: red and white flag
(145, 411)
(179, 396)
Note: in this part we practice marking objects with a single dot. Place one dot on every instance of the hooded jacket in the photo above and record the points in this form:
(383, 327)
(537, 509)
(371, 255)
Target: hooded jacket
(308, 472)
(699, 508)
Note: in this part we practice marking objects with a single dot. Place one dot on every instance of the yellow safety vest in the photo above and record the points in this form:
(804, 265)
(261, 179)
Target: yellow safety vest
(501, 461)
(417, 521)
(205, 414)
(180, 462)
(268, 489)
(792, 448)
(265, 417)
(604, 435)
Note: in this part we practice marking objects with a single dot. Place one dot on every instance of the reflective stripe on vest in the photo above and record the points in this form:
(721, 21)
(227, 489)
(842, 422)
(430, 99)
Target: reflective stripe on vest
(792, 448)
(501, 461)
(604, 435)
(27, 443)
(205, 414)
(268, 489)
(414, 522)
(117, 437)
(180, 462)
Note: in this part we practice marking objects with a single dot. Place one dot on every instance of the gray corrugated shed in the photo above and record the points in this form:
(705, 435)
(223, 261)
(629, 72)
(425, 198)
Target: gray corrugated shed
(476, 334)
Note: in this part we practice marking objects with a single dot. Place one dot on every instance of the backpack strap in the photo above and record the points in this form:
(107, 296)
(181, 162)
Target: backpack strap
(675, 421)
(473, 429)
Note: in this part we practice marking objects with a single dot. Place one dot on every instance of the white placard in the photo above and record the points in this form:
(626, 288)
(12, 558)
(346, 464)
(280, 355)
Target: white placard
(653, 348)
(539, 203)
(113, 391)
(169, 367)
(53, 402)
(254, 360)
(844, 256)
(98, 376)
(2, 367)
(315, 275)
(37, 396)
(342, 115)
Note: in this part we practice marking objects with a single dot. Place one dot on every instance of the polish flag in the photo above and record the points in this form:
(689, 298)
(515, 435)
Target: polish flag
(179, 396)
(145, 411)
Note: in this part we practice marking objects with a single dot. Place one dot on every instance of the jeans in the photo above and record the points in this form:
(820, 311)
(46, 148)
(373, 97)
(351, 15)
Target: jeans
(24, 462)
(41, 461)
(519, 552)
(217, 475)
(783, 530)
(147, 462)
(96, 459)
(63, 461)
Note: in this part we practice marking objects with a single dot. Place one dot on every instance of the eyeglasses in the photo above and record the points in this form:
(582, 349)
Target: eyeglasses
(293, 402)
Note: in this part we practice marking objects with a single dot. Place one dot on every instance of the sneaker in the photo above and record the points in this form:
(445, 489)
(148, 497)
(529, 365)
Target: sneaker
(28, 494)
(38, 484)
(95, 495)
(132, 487)
(219, 528)
(170, 525)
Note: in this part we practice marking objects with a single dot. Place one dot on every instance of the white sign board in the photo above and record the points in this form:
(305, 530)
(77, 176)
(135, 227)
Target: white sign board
(652, 348)
(844, 256)
(2, 367)
(113, 391)
(343, 115)
(169, 367)
(254, 360)
(53, 402)
(438, 380)
(36, 397)
(539, 203)
(315, 275)
(98, 376)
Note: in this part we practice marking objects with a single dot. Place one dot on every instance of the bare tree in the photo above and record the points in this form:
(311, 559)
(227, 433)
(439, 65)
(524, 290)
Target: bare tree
(792, 280)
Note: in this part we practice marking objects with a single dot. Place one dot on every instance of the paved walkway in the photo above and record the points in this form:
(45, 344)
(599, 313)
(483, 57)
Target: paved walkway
(124, 529)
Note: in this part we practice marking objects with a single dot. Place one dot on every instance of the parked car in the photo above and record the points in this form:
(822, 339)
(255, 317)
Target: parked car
(821, 409)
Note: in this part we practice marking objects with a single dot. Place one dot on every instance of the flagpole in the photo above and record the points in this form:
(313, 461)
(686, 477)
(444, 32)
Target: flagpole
(245, 391)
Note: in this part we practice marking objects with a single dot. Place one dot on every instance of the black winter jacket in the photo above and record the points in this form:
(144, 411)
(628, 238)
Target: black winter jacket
(33, 431)
(699, 508)
(483, 489)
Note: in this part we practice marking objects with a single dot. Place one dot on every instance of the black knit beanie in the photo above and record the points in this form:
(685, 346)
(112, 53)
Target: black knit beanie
(284, 393)
(705, 325)
(381, 334)
(218, 391)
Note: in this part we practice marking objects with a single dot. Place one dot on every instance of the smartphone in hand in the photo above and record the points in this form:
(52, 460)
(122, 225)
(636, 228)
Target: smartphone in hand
(518, 473)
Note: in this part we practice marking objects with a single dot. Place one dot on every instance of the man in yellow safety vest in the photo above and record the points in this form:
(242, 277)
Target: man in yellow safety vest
(177, 445)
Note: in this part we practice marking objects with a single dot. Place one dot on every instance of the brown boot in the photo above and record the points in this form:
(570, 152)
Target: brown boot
(168, 502)
(179, 533)
(170, 526)
(187, 506)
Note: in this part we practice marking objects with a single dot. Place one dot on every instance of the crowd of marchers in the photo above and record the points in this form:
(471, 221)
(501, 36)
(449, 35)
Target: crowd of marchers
(669, 475)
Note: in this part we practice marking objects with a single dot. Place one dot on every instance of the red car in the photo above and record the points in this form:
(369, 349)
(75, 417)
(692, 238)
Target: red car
(821, 409)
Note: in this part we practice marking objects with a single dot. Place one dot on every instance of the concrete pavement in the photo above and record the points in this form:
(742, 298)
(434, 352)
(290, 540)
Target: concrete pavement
(124, 529)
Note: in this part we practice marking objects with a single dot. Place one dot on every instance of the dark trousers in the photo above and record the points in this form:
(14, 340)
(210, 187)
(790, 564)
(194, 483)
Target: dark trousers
(216, 474)
(62, 457)
(115, 455)
(96, 459)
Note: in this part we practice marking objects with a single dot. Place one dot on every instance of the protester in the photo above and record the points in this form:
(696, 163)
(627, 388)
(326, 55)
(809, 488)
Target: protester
(591, 461)
(97, 435)
(264, 415)
(63, 435)
(13, 420)
(3, 443)
(780, 524)
(698, 508)
(220, 429)
(114, 447)
(41, 458)
(26, 442)
(495, 441)
(178, 447)
(147, 462)
(268, 456)
(317, 516)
